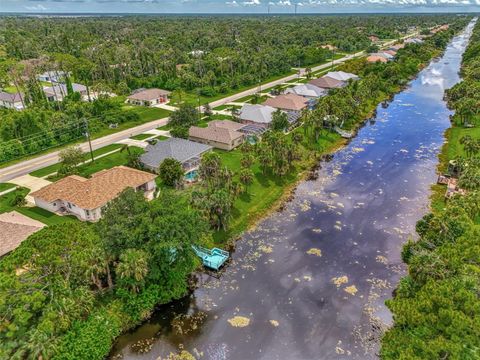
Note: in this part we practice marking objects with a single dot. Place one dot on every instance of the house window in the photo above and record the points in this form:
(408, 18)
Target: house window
(88, 212)
(69, 205)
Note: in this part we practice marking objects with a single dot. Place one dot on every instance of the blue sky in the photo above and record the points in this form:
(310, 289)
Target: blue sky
(237, 6)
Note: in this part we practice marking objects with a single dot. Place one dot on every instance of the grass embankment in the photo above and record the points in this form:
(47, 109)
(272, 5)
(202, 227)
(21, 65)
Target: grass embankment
(267, 190)
(451, 150)
(6, 186)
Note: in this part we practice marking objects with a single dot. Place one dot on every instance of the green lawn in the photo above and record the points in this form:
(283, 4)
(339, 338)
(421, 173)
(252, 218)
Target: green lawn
(106, 162)
(220, 117)
(148, 113)
(6, 186)
(54, 168)
(452, 148)
(36, 213)
(141, 136)
(161, 137)
(45, 216)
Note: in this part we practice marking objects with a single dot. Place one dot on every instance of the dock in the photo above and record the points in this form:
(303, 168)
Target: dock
(213, 259)
(343, 133)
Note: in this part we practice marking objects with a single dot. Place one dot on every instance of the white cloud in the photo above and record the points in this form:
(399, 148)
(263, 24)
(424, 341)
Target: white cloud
(38, 7)
(232, 3)
(251, 2)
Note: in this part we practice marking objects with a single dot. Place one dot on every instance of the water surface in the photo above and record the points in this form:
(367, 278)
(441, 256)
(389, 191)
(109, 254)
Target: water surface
(312, 279)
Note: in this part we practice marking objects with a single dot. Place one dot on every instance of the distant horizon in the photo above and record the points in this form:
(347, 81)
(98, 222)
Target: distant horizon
(101, 13)
(235, 7)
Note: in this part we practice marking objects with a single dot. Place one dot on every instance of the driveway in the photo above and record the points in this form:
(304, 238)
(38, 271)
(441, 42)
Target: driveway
(30, 182)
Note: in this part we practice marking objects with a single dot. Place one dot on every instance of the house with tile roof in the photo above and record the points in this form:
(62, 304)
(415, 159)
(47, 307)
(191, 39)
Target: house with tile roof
(221, 134)
(327, 83)
(187, 152)
(85, 198)
(341, 75)
(308, 91)
(376, 58)
(288, 102)
(256, 114)
(14, 229)
(148, 97)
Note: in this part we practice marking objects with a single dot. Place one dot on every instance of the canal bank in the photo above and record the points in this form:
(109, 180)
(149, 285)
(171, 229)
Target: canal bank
(310, 281)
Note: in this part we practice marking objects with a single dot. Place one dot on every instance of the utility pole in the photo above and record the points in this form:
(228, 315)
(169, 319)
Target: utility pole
(85, 121)
(296, 5)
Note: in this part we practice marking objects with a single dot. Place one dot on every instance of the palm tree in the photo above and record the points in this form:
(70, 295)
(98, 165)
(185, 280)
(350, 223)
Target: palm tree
(246, 177)
(133, 268)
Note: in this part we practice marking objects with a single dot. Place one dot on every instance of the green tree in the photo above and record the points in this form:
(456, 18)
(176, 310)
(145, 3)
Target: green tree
(70, 158)
(279, 121)
(171, 172)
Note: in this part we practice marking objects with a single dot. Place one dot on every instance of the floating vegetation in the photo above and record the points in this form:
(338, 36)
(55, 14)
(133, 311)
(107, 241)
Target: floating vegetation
(239, 321)
(143, 346)
(305, 205)
(338, 281)
(314, 251)
(182, 355)
(265, 248)
(358, 149)
(352, 289)
(184, 324)
(274, 323)
(381, 259)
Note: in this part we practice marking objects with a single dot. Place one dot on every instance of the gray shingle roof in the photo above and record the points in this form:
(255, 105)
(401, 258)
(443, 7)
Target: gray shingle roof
(257, 113)
(178, 149)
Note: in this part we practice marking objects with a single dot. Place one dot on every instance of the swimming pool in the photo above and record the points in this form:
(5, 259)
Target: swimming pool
(191, 176)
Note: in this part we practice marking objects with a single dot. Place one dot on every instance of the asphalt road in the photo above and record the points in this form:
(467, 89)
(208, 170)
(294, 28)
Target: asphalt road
(27, 166)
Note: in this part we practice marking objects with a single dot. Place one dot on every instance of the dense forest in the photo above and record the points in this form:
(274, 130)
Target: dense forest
(205, 56)
(436, 307)
(70, 290)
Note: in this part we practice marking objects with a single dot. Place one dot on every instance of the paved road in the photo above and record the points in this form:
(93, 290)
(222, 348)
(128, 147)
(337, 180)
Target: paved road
(27, 166)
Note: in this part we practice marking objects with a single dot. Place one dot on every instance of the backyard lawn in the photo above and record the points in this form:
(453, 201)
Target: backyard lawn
(54, 168)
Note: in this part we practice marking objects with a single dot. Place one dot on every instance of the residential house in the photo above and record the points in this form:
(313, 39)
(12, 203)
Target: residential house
(85, 198)
(187, 152)
(390, 52)
(11, 100)
(327, 83)
(374, 58)
(414, 41)
(396, 47)
(260, 115)
(148, 97)
(57, 92)
(53, 76)
(308, 91)
(221, 134)
(341, 75)
(291, 103)
(14, 229)
(329, 47)
(373, 38)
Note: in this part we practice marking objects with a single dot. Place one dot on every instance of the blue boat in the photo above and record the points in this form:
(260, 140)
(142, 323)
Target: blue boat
(213, 259)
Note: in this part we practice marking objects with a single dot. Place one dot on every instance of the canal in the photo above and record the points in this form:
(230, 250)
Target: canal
(310, 281)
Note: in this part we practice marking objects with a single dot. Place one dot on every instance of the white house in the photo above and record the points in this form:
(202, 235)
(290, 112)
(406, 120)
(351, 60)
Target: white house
(148, 97)
(11, 101)
(341, 75)
(85, 198)
(309, 91)
(53, 76)
(257, 114)
(58, 91)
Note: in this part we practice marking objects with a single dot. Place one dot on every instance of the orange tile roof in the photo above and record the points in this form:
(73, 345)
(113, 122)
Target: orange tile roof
(287, 102)
(95, 192)
(376, 58)
(15, 228)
